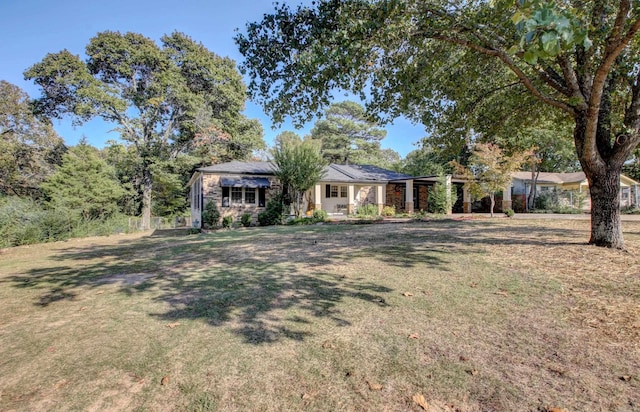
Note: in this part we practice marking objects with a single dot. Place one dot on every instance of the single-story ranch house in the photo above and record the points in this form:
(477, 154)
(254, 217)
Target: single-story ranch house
(246, 187)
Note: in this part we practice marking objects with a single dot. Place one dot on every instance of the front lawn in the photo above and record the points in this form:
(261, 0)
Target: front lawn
(480, 315)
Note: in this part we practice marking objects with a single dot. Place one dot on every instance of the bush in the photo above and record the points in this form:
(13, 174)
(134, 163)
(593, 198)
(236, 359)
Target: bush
(25, 222)
(320, 215)
(245, 219)
(227, 221)
(274, 212)
(439, 200)
(389, 211)
(210, 216)
(367, 210)
(509, 212)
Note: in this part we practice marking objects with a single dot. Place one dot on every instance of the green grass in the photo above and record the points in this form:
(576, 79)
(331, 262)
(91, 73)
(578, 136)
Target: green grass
(476, 315)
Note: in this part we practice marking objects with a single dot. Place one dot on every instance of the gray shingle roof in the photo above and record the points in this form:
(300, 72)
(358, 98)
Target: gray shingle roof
(361, 173)
(333, 173)
(236, 167)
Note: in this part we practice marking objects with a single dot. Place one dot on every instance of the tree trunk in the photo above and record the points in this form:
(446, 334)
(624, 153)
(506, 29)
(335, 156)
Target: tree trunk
(146, 198)
(602, 169)
(492, 197)
(606, 228)
(531, 200)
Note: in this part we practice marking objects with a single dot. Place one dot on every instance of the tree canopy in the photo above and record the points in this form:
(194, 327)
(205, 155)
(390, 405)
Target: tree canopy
(346, 135)
(299, 165)
(84, 183)
(29, 147)
(490, 170)
(160, 96)
(446, 63)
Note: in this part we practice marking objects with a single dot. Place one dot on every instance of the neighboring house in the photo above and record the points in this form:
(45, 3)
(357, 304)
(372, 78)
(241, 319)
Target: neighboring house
(245, 187)
(571, 183)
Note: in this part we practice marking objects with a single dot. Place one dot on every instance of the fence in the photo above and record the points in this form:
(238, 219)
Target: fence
(135, 223)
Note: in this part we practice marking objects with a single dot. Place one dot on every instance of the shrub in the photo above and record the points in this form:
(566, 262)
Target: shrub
(245, 219)
(227, 221)
(273, 213)
(210, 216)
(509, 212)
(389, 211)
(439, 200)
(320, 215)
(367, 210)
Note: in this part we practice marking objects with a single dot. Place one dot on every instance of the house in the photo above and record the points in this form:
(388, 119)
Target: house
(571, 185)
(246, 187)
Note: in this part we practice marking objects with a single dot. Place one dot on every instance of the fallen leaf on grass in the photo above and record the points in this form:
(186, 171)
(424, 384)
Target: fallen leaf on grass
(407, 294)
(556, 409)
(414, 336)
(472, 372)
(61, 383)
(328, 345)
(100, 292)
(502, 292)
(83, 308)
(165, 380)
(173, 325)
(374, 386)
(419, 400)
(309, 396)
(625, 378)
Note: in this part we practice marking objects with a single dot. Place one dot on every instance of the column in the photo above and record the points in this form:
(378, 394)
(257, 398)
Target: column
(466, 199)
(317, 197)
(408, 198)
(380, 198)
(506, 198)
(350, 197)
(449, 189)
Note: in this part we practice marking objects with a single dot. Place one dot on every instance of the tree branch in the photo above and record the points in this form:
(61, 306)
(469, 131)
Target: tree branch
(599, 82)
(506, 59)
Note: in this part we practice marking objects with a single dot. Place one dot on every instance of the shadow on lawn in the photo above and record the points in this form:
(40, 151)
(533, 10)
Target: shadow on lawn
(265, 285)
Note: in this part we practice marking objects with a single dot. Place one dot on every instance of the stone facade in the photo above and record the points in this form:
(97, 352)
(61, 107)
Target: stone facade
(212, 192)
(395, 196)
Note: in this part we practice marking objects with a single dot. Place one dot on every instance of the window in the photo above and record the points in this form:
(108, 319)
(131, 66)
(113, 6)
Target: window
(334, 191)
(250, 196)
(343, 191)
(243, 196)
(236, 195)
(225, 197)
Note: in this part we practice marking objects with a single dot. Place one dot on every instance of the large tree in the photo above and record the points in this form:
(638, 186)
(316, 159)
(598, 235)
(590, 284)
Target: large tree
(430, 59)
(160, 97)
(347, 136)
(29, 147)
(84, 184)
(298, 164)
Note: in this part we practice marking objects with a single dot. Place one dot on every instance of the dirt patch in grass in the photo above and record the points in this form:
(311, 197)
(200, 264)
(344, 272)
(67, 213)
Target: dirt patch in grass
(480, 315)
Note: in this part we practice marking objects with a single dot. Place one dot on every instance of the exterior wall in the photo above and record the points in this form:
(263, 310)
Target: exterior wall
(395, 196)
(338, 204)
(196, 200)
(212, 192)
(365, 195)
(423, 198)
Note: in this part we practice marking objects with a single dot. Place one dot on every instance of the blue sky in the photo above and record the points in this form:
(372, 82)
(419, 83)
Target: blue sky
(32, 28)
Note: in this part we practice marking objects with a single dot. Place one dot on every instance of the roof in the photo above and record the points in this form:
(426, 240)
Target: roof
(553, 178)
(237, 167)
(333, 172)
(360, 173)
(565, 178)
